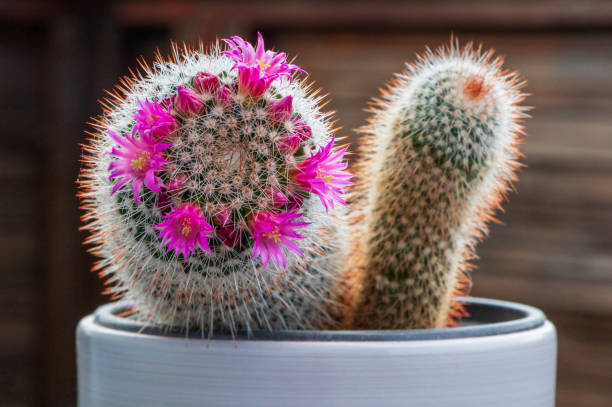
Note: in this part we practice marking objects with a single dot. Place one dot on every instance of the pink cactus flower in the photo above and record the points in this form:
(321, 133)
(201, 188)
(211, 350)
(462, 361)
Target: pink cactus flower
(186, 102)
(280, 110)
(323, 174)
(224, 96)
(184, 228)
(257, 68)
(139, 160)
(155, 121)
(272, 232)
(289, 143)
(303, 130)
(205, 82)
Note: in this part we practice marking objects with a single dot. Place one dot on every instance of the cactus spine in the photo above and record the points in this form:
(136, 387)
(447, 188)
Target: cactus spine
(437, 157)
(215, 231)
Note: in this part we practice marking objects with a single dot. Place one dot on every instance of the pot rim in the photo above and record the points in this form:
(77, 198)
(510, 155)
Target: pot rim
(488, 317)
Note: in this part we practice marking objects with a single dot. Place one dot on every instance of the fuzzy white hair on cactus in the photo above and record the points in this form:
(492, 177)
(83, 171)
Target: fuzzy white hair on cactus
(436, 159)
(208, 186)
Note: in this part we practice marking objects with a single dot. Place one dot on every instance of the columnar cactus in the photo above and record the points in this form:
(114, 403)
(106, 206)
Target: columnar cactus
(207, 186)
(437, 158)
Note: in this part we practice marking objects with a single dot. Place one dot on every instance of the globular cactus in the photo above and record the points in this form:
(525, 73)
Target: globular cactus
(437, 157)
(207, 185)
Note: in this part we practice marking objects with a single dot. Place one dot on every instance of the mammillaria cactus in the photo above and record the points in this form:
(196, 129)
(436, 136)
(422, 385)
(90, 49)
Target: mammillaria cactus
(438, 156)
(207, 186)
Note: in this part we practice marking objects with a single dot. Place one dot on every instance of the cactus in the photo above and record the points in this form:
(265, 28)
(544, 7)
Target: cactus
(207, 184)
(437, 158)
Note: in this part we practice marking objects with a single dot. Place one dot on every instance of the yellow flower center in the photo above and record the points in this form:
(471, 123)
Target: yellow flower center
(186, 227)
(325, 178)
(275, 234)
(140, 163)
(262, 64)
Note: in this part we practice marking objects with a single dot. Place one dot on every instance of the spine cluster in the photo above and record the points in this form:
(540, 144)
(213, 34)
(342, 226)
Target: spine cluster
(207, 186)
(438, 156)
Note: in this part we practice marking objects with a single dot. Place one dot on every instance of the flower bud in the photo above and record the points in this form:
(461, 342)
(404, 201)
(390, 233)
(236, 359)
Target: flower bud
(222, 218)
(186, 102)
(303, 130)
(228, 235)
(205, 82)
(224, 96)
(280, 110)
(278, 198)
(177, 182)
(163, 198)
(295, 201)
(166, 102)
(289, 144)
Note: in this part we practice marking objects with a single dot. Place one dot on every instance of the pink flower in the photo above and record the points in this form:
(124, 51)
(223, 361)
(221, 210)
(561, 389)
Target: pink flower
(184, 228)
(273, 231)
(155, 121)
(139, 159)
(257, 68)
(186, 102)
(289, 143)
(280, 110)
(224, 96)
(322, 174)
(205, 82)
(303, 130)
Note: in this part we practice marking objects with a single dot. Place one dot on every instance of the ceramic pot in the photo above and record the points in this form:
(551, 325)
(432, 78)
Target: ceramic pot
(503, 355)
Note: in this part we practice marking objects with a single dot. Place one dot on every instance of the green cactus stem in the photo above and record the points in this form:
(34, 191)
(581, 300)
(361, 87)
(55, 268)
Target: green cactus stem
(437, 158)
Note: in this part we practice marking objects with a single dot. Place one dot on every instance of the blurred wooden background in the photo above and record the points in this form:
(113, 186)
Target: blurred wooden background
(554, 252)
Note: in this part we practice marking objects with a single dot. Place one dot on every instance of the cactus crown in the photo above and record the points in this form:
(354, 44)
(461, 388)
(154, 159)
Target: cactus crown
(438, 156)
(207, 186)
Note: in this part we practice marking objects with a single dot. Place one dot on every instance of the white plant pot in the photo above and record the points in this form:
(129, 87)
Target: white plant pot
(503, 355)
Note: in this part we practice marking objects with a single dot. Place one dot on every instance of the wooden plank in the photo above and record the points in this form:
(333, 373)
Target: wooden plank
(550, 231)
(583, 318)
(415, 15)
(61, 304)
(19, 251)
(584, 373)
(548, 294)
(26, 11)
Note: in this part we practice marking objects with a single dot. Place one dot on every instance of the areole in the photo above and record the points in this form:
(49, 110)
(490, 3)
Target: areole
(504, 353)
